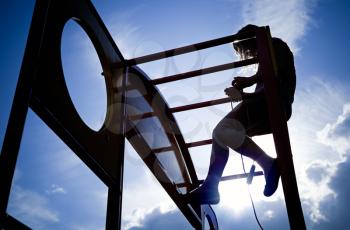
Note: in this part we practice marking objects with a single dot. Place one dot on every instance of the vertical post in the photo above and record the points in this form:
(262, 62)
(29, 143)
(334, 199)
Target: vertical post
(18, 114)
(115, 194)
(12, 141)
(115, 191)
(114, 207)
(279, 129)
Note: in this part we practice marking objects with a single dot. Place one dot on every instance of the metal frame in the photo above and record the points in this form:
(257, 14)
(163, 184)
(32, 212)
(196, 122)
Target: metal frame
(277, 116)
(41, 87)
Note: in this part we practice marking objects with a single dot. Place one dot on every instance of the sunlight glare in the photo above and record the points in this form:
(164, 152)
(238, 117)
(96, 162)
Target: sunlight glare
(234, 196)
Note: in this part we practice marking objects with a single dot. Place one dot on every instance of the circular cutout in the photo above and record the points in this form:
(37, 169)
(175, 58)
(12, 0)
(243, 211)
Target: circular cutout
(82, 71)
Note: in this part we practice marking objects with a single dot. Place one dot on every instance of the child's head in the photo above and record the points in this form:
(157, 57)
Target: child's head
(246, 48)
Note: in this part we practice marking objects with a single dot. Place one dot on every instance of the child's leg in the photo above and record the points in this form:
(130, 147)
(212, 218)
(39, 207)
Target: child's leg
(228, 133)
(218, 160)
(253, 151)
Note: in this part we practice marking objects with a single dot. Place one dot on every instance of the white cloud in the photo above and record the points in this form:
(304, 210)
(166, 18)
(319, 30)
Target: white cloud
(336, 207)
(316, 104)
(316, 187)
(140, 215)
(287, 19)
(55, 189)
(142, 199)
(272, 218)
(85, 227)
(321, 172)
(31, 208)
(320, 115)
(333, 134)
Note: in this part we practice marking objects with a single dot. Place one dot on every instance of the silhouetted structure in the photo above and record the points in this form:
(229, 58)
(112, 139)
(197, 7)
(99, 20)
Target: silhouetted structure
(42, 88)
(249, 118)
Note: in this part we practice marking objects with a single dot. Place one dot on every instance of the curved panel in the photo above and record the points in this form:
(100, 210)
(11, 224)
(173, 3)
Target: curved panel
(159, 131)
(153, 132)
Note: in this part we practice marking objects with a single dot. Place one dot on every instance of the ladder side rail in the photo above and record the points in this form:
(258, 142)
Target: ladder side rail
(279, 129)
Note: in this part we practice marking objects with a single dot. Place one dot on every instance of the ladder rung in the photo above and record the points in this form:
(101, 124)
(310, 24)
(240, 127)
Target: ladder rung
(226, 178)
(204, 71)
(188, 145)
(183, 108)
(189, 48)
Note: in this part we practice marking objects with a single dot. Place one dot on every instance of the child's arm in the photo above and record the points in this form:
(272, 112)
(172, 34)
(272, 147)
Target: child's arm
(243, 82)
(258, 93)
(234, 94)
(238, 95)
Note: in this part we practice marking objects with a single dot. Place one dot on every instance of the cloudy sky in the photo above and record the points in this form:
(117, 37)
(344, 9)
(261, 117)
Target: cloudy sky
(53, 189)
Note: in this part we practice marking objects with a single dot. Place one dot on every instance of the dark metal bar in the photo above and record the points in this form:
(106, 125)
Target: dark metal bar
(164, 149)
(200, 105)
(183, 108)
(226, 178)
(115, 192)
(199, 143)
(237, 176)
(208, 70)
(12, 223)
(112, 217)
(189, 48)
(279, 129)
(188, 145)
(15, 126)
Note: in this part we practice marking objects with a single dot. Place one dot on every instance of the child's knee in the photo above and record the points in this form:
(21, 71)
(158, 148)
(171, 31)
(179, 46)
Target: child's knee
(229, 132)
(216, 131)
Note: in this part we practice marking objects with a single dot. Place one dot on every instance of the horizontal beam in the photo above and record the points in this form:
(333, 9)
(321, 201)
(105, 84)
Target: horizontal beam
(237, 176)
(183, 108)
(199, 143)
(188, 145)
(200, 105)
(204, 71)
(189, 48)
(226, 178)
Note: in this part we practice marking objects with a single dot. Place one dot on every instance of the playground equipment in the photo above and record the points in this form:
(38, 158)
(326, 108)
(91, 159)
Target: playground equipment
(135, 108)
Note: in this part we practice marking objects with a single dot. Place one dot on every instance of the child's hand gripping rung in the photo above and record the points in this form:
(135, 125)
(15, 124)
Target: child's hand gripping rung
(234, 94)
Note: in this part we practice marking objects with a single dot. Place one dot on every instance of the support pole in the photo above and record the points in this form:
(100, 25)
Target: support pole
(15, 126)
(115, 191)
(279, 129)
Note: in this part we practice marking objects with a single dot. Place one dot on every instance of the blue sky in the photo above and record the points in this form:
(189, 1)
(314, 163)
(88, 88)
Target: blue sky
(52, 189)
